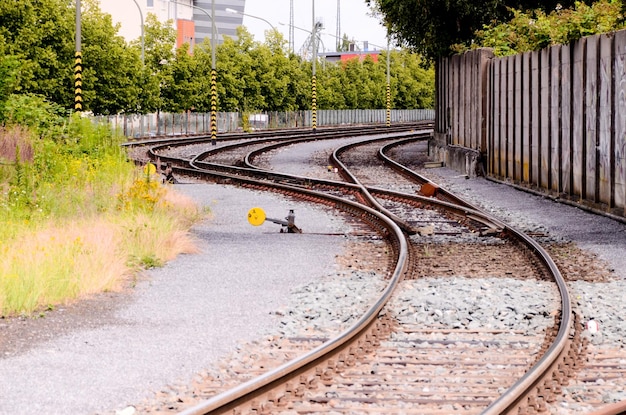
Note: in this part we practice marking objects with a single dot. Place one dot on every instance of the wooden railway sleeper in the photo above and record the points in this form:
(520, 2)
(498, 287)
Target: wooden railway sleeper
(308, 382)
(350, 360)
(278, 399)
(372, 341)
(355, 352)
(535, 401)
(551, 390)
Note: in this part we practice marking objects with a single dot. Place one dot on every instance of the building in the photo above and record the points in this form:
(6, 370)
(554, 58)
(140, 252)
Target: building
(351, 54)
(192, 18)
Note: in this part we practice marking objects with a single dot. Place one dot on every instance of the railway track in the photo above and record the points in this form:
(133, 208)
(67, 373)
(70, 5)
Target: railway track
(386, 360)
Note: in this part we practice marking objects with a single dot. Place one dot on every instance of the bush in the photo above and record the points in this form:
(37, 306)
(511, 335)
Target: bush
(534, 30)
(76, 217)
(34, 112)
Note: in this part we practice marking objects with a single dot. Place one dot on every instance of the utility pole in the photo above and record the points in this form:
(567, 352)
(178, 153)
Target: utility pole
(338, 31)
(314, 78)
(213, 78)
(292, 40)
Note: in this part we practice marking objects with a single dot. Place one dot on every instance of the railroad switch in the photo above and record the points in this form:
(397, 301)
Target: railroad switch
(289, 224)
(256, 217)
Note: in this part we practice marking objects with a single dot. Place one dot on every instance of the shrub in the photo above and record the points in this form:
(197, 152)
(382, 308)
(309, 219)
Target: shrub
(535, 29)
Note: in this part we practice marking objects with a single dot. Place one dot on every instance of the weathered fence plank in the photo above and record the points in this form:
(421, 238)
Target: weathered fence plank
(536, 120)
(620, 122)
(526, 112)
(544, 120)
(552, 120)
(579, 158)
(566, 121)
(605, 146)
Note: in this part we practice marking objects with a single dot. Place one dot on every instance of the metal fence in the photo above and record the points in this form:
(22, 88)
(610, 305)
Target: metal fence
(190, 123)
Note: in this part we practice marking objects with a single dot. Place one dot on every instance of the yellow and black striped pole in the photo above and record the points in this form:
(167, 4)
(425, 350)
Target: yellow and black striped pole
(314, 103)
(313, 70)
(78, 82)
(388, 105)
(213, 107)
(78, 63)
(213, 75)
(388, 83)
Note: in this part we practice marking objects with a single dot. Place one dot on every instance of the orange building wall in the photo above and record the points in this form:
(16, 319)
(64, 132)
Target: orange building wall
(359, 55)
(186, 33)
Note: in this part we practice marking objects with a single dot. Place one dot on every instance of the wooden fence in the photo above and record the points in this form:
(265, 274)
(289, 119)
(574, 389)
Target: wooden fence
(552, 120)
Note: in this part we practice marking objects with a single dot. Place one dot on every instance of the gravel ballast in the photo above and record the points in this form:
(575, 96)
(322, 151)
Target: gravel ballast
(179, 318)
(182, 318)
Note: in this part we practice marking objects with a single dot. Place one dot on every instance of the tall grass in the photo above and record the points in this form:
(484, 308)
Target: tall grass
(78, 218)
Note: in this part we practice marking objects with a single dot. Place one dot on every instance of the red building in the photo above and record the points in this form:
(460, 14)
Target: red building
(354, 54)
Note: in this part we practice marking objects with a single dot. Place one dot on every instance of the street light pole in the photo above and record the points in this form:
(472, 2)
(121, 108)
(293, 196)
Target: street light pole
(229, 10)
(142, 33)
(213, 67)
(314, 75)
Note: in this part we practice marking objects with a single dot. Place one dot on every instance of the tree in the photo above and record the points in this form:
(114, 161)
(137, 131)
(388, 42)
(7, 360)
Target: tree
(181, 93)
(111, 69)
(344, 44)
(412, 85)
(159, 42)
(234, 73)
(329, 87)
(9, 68)
(41, 35)
(432, 27)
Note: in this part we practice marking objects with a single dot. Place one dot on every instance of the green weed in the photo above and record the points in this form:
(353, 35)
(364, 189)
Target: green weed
(77, 218)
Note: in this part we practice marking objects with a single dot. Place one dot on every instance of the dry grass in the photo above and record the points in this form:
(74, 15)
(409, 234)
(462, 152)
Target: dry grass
(60, 263)
(13, 139)
(57, 263)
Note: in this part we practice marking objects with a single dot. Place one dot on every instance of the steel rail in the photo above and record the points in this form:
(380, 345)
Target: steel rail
(357, 130)
(286, 139)
(510, 399)
(345, 172)
(441, 193)
(246, 391)
(507, 402)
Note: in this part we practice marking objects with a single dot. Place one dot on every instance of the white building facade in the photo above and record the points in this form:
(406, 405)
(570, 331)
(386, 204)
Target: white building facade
(192, 18)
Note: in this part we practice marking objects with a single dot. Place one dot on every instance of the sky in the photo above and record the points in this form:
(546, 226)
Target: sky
(356, 21)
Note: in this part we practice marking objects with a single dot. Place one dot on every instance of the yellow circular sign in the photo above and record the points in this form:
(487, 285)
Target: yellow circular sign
(149, 168)
(256, 216)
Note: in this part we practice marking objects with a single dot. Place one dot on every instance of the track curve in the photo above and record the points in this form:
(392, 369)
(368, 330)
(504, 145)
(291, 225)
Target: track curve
(350, 196)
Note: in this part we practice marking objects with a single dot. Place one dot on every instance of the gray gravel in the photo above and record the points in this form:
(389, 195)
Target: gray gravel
(183, 316)
(470, 303)
(250, 281)
(600, 235)
(601, 303)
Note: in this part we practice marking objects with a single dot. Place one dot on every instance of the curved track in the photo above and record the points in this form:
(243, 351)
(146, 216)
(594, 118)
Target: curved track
(362, 365)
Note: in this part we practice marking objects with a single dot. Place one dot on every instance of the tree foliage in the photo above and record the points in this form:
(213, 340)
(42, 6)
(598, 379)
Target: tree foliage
(41, 35)
(433, 27)
(535, 29)
(111, 69)
(37, 58)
